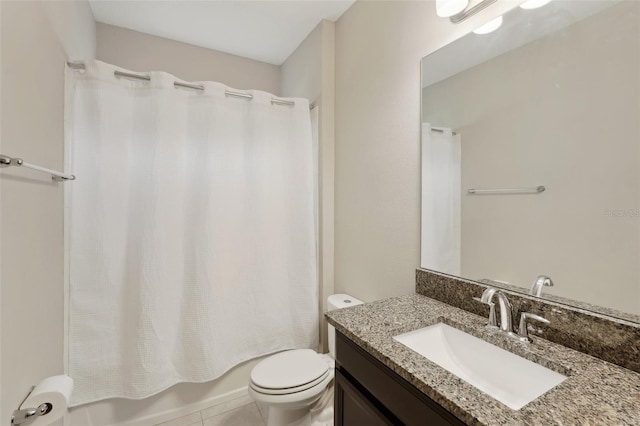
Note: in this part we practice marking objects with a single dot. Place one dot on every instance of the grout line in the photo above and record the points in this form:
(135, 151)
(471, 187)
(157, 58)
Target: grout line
(243, 403)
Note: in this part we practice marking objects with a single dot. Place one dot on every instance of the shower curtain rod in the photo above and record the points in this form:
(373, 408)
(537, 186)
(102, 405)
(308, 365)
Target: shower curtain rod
(274, 101)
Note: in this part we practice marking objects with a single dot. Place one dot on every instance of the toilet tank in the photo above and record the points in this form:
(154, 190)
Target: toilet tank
(338, 301)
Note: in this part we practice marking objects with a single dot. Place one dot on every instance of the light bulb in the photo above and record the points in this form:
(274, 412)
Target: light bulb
(447, 8)
(533, 4)
(489, 27)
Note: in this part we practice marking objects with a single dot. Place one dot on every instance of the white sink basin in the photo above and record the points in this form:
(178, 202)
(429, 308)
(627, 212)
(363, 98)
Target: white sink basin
(507, 377)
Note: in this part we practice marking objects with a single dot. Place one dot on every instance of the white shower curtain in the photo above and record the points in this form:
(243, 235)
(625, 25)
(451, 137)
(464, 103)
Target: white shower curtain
(191, 240)
(441, 197)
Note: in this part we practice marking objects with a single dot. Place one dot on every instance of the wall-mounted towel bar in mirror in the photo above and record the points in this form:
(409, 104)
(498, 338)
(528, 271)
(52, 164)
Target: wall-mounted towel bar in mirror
(534, 190)
(55, 176)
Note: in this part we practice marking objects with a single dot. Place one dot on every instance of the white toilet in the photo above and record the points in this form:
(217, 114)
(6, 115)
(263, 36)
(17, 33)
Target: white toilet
(290, 382)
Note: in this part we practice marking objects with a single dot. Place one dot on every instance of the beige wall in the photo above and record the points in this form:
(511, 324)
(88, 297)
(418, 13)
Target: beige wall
(301, 72)
(561, 112)
(378, 50)
(143, 52)
(309, 72)
(36, 39)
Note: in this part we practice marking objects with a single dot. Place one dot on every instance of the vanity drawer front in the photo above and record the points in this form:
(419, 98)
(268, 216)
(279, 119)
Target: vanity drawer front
(397, 395)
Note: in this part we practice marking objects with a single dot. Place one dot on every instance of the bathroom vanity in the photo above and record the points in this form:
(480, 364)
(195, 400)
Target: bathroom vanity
(368, 392)
(505, 198)
(381, 381)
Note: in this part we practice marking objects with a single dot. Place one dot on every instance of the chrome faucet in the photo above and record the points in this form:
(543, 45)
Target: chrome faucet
(523, 331)
(506, 310)
(541, 281)
(506, 315)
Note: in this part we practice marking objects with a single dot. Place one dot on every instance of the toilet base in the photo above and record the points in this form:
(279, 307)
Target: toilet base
(320, 413)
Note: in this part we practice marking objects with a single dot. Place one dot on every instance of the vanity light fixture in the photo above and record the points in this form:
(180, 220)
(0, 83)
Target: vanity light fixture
(447, 8)
(489, 27)
(533, 4)
(467, 13)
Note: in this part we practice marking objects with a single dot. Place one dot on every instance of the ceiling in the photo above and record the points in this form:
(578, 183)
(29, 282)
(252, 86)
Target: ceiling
(267, 31)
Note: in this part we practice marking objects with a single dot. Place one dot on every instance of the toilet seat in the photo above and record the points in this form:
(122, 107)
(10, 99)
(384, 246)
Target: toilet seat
(289, 372)
(296, 400)
(286, 391)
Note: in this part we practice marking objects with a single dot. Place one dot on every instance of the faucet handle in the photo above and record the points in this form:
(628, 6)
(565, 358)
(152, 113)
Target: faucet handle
(493, 320)
(522, 329)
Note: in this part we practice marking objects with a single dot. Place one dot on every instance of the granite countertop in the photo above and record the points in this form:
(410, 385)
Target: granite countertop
(595, 392)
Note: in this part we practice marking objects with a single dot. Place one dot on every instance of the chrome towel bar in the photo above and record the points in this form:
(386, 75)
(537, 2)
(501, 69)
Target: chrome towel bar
(534, 190)
(18, 162)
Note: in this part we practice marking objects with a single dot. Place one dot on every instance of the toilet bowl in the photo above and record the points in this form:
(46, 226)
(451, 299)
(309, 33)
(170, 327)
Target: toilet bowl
(290, 382)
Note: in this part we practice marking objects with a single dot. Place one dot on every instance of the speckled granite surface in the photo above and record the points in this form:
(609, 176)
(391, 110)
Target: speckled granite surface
(565, 301)
(612, 339)
(595, 393)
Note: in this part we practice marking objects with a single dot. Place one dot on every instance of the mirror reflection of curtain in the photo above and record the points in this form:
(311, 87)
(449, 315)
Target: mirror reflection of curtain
(315, 135)
(441, 194)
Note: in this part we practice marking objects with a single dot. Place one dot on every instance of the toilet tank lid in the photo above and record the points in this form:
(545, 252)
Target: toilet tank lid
(338, 301)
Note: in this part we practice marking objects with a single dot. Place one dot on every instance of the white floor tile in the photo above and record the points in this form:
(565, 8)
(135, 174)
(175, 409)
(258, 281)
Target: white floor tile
(247, 415)
(188, 420)
(226, 406)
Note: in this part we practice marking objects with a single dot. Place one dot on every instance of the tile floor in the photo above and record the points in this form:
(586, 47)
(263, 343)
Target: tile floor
(228, 414)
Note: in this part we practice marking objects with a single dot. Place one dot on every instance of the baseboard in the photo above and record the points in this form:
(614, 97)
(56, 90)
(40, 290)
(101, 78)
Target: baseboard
(215, 405)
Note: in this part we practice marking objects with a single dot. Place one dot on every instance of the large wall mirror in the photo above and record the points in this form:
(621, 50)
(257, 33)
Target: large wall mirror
(531, 155)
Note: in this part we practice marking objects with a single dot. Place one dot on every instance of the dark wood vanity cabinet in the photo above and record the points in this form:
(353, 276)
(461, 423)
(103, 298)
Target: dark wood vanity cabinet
(368, 393)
